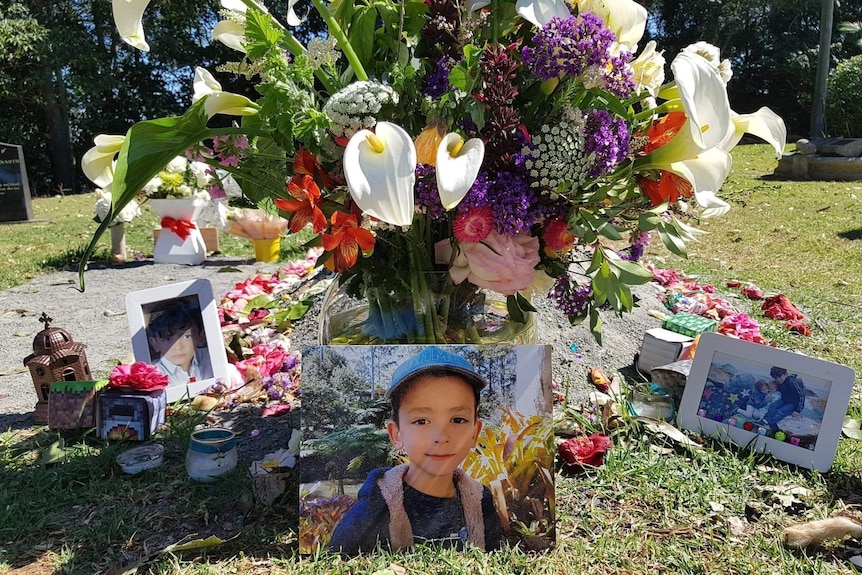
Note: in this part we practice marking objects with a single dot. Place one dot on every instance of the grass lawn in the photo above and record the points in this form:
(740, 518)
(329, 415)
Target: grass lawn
(655, 506)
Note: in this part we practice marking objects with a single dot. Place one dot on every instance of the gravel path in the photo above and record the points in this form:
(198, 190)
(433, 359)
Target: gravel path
(97, 318)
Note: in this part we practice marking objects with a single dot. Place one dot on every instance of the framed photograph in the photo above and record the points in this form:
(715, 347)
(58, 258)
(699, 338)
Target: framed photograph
(176, 328)
(786, 404)
(391, 432)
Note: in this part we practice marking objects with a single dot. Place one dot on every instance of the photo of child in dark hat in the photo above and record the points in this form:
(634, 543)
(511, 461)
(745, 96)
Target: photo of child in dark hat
(435, 422)
(177, 342)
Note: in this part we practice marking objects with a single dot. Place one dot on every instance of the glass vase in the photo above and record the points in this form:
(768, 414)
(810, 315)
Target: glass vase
(431, 310)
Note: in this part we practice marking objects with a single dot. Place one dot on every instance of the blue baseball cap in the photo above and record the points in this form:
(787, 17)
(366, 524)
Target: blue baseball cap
(435, 359)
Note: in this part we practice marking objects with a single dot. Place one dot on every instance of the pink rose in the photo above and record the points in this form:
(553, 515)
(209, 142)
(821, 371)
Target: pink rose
(267, 358)
(578, 452)
(505, 264)
(139, 376)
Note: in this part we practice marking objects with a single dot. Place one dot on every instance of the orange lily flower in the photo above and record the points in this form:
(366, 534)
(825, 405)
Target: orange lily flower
(663, 131)
(306, 164)
(668, 188)
(305, 207)
(345, 241)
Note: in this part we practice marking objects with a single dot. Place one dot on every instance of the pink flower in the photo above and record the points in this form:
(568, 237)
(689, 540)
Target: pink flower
(139, 376)
(664, 277)
(473, 225)
(742, 326)
(267, 358)
(505, 264)
(579, 452)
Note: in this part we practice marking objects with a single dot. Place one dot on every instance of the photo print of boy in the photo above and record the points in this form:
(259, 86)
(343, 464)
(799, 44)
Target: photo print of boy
(177, 341)
(425, 456)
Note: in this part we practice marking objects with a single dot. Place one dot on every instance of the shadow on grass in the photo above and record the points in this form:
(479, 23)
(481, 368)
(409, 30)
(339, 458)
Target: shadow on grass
(852, 235)
(91, 517)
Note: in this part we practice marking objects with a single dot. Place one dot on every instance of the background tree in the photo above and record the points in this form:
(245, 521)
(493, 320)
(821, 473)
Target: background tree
(772, 44)
(66, 76)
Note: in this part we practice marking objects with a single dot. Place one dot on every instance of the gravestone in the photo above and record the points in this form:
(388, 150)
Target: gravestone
(15, 202)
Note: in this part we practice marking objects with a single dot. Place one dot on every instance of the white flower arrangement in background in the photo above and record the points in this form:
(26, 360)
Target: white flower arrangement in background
(181, 178)
(103, 206)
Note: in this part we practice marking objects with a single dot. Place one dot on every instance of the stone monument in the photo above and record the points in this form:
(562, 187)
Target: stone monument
(15, 204)
(825, 159)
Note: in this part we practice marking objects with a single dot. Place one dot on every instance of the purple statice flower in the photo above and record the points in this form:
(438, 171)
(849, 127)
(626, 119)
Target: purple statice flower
(571, 299)
(427, 195)
(606, 141)
(437, 81)
(619, 78)
(569, 46)
(514, 204)
(635, 251)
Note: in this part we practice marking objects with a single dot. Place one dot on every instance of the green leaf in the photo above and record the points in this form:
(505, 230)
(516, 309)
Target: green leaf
(630, 273)
(297, 310)
(362, 27)
(603, 284)
(596, 262)
(514, 310)
(671, 241)
(261, 33)
(524, 303)
(627, 300)
(596, 325)
(459, 77)
(648, 221)
(342, 10)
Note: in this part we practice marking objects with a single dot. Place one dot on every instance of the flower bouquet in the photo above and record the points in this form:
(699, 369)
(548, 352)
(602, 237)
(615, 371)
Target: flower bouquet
(259, 226)
(516, 146)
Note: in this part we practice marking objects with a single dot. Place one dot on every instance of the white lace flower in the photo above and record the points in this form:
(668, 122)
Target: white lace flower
(356, 107)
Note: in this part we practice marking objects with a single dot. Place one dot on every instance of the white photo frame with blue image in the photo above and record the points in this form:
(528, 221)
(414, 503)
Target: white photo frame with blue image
(199, 295)
(723, 375)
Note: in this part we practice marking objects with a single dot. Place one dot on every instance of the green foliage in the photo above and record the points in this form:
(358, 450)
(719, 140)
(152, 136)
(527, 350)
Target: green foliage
(844, 103)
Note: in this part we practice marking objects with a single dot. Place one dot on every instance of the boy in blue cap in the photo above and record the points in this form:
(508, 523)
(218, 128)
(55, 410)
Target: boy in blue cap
(435, 420)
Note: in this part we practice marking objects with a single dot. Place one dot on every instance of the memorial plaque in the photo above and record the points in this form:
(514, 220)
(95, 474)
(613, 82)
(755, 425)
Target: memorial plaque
(15, 202)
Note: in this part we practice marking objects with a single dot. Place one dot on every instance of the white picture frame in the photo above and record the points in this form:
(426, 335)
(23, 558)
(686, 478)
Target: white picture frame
(143, 306)
(721, 380)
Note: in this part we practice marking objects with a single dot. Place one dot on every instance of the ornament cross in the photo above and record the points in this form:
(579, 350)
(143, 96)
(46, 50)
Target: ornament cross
(46, 320)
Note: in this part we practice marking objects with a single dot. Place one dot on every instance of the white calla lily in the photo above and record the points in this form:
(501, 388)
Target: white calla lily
(98, 162)
(458, 164)
(231, 34)
(625, 18)
(764, 124)
(127, 18)
(292, 18)
(380, 169)
(204, 84)
(704, 98)
(706, 173)
(540, 12)
(218, 102)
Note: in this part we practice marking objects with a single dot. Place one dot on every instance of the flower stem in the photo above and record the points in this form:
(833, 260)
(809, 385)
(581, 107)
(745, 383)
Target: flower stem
(341, 38)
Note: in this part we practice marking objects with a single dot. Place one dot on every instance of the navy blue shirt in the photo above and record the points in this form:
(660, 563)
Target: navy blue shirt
(433, 519)
(793, 392)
